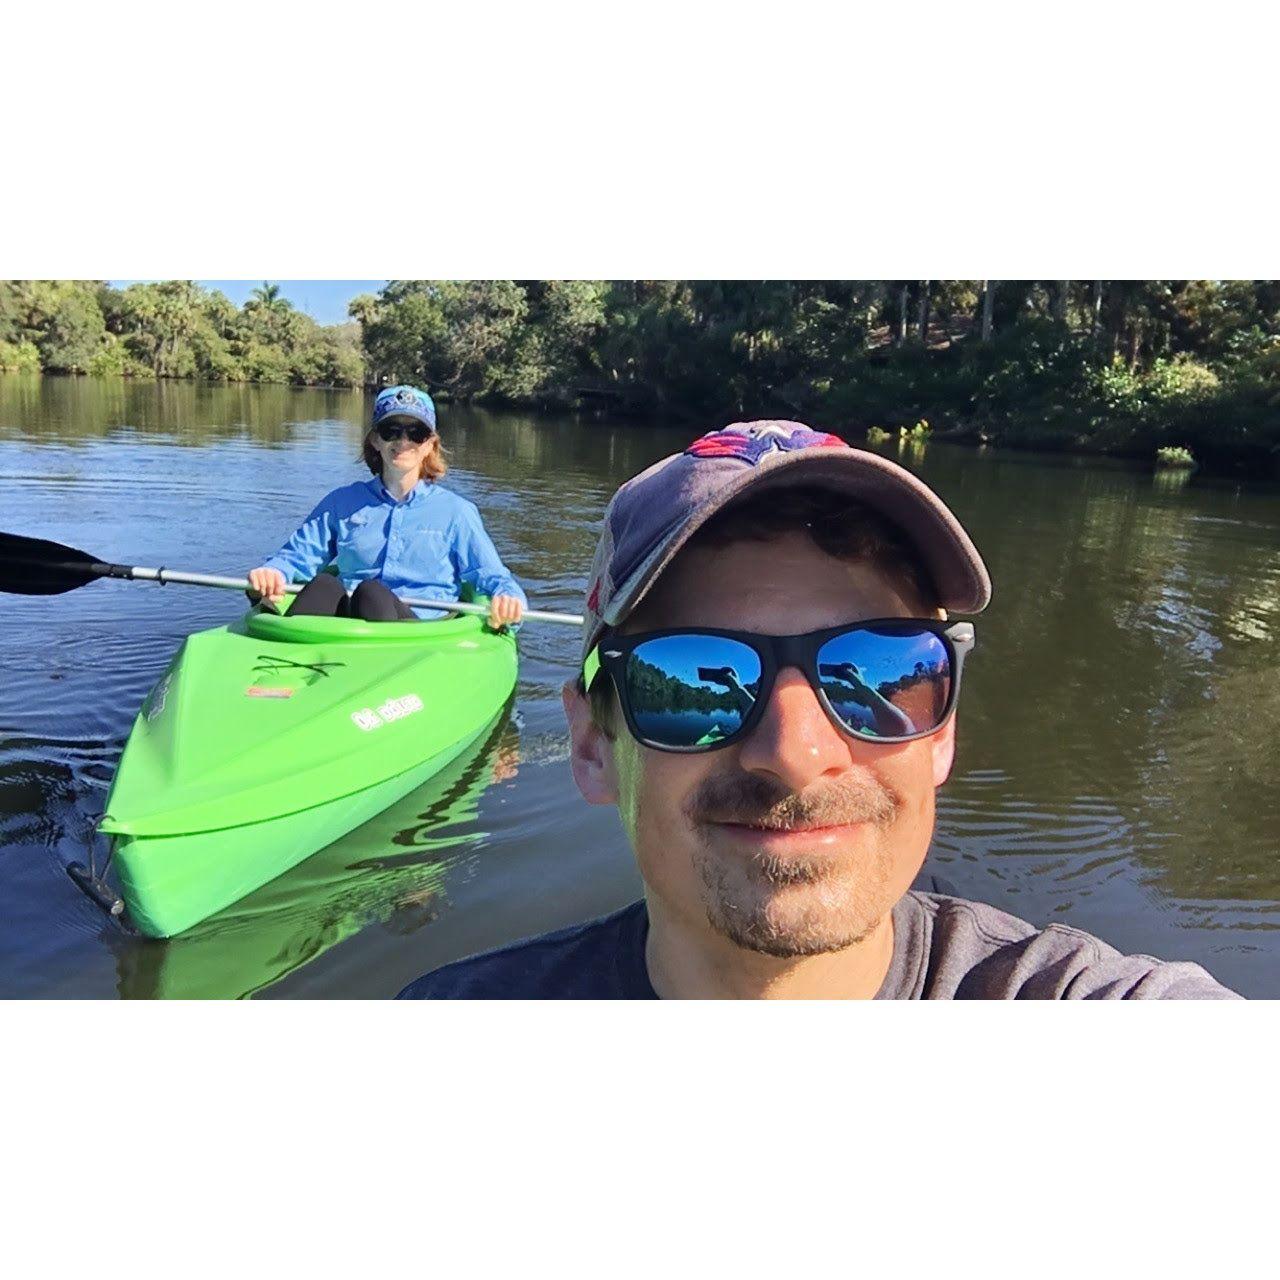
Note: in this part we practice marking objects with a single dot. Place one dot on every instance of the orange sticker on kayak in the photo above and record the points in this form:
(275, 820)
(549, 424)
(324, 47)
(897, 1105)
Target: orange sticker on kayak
(265, 691)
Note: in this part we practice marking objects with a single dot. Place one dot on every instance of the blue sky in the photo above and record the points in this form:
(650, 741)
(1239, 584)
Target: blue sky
(324, 300)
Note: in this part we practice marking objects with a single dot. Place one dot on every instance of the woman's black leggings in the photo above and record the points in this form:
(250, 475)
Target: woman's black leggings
(325, 597)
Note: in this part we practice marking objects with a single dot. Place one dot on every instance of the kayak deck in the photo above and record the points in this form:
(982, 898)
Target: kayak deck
(272, 737)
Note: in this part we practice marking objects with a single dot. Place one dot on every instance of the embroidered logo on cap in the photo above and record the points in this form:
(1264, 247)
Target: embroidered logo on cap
(752, 443)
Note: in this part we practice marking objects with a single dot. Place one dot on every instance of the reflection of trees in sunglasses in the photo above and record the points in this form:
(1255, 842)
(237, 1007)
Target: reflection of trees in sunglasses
(908, 669)
(847, 673)
(673, 709)
(651, 689)
(921, 694)
(933, 681)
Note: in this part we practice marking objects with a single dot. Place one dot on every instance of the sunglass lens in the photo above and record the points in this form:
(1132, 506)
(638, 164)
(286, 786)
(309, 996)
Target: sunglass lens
(886, 681)
(417, 434)
(691, 691)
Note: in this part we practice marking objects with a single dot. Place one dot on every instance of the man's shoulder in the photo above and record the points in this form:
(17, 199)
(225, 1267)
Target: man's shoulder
(601, 959)
(977, 951)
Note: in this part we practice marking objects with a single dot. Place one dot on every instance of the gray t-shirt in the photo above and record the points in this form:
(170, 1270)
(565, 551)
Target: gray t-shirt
(951, 949)
(944, 948)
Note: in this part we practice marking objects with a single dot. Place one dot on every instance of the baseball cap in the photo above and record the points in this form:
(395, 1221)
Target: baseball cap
(404, 402)
(654, 514)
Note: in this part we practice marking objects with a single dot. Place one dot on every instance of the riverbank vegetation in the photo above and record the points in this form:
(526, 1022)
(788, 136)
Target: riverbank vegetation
(173, 329)
(1111, 366)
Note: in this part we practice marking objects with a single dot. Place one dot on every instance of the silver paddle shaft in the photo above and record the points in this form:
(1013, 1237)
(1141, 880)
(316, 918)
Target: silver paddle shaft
(242, 584)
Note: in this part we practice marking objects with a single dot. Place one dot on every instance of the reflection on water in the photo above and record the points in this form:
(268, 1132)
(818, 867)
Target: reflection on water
(185, 413)
(1115, 765)
(393, 871)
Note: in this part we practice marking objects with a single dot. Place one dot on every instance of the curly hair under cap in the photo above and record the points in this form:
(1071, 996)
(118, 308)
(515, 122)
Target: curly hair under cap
(435, 465)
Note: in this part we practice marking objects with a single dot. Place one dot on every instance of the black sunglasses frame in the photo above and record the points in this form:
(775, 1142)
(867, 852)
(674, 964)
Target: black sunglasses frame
(418, 433)
(776, 653)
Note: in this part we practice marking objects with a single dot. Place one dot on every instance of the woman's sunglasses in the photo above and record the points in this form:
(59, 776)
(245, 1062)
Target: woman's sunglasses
(390, 432)
(884, 680)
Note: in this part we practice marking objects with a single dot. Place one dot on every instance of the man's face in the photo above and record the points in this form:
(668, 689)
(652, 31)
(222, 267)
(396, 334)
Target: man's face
(798, 839)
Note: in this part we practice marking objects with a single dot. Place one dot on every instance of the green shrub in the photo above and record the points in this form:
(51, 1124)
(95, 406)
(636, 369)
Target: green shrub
(1180, 379)
(1172, 456)
(262, 363)
(19, 357)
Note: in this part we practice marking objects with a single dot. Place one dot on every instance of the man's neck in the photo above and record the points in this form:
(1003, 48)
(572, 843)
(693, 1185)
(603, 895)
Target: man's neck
(694, 963)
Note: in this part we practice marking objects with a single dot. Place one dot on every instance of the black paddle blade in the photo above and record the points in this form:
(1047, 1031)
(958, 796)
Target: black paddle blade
(34, 567)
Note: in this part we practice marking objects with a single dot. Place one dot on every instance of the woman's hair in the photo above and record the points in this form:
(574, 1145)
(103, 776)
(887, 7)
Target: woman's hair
(434, 466)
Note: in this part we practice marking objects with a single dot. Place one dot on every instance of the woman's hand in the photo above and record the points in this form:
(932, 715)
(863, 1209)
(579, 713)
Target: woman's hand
(269, 584)
(505, 611)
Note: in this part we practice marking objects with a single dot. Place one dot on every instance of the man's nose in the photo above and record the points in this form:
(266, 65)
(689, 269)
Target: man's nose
(795, 740)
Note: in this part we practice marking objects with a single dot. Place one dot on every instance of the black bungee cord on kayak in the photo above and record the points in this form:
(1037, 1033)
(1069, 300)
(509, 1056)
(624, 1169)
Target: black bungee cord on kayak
(273, 664)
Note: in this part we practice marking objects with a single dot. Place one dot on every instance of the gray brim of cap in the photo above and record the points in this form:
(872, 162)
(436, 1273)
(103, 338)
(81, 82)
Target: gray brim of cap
(958, 573)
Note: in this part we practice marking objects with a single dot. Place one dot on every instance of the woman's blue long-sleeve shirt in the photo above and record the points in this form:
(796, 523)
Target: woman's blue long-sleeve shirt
(428, 545)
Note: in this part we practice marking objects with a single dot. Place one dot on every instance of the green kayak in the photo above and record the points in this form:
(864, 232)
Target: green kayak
(390, 871)
(272, 737)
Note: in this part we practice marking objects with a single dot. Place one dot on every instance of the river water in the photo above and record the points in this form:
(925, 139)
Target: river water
(1116, 767)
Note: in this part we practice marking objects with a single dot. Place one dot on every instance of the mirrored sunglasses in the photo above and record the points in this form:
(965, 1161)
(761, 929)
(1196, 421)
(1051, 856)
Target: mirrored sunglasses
(883, 680)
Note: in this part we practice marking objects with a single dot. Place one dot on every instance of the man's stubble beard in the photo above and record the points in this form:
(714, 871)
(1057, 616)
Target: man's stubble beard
(802, 905)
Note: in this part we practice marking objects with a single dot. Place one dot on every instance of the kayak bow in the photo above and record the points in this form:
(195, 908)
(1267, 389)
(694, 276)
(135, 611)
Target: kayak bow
(272, 737)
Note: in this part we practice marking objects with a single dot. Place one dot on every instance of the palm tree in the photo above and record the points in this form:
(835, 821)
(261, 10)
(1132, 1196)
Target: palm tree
(267, 302)
(988, 304)
(267, 296)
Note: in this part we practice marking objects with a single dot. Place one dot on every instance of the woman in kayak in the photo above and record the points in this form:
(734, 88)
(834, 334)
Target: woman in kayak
(399, 534)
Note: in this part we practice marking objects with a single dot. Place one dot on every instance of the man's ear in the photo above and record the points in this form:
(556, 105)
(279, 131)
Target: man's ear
(590, 749)
(943, 747)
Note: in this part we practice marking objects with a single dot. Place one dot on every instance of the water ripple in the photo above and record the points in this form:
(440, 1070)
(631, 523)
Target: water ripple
(1116, 734)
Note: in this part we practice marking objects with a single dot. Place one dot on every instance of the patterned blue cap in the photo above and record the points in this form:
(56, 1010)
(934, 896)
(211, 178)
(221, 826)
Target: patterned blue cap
(404, 402)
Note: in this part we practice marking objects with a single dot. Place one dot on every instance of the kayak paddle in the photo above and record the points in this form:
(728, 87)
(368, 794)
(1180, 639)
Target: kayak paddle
(35, 567)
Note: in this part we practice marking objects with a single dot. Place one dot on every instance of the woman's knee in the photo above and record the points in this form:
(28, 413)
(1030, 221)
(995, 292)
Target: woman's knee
(375, 602)
(324, 595)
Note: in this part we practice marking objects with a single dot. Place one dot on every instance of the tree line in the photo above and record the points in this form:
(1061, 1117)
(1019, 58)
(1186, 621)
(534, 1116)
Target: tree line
(173, 329)
(1117, 366)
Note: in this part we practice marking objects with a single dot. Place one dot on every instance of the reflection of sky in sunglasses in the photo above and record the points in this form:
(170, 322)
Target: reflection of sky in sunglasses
(882, 659)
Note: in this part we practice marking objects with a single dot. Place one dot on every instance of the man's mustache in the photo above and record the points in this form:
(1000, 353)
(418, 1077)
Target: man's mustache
(756, 801)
